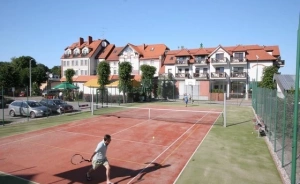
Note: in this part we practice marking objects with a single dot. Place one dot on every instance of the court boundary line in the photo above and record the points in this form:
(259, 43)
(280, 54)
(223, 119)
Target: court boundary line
(195, 151)
(166, 149)
(48, 131)
(4, 173)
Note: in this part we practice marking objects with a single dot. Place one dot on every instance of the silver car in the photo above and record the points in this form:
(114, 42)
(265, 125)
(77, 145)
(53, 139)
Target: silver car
(28, 108)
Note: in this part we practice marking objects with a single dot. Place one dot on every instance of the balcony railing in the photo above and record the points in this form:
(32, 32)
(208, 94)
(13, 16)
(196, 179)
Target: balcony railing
(219, 60)
(238, 74)
(200, 61)
(201, 75)
(182, 75)
(182, 62)
(238, 60)
(218, 74)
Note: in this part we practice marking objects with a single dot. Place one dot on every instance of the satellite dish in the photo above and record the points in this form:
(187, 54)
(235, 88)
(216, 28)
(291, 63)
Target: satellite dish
(104, 44)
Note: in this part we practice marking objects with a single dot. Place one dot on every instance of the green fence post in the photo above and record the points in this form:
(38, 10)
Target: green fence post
(27, 104)
(276, 112)
(283, 129)
(295, 121)
(2, 92)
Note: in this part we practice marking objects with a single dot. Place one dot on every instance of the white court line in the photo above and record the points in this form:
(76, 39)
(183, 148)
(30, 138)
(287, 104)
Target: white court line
(50, 131)
(18, 177)
(194, 151)
(166, 149)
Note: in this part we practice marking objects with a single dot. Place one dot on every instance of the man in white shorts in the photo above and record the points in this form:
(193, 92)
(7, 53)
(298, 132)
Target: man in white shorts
(99, 158)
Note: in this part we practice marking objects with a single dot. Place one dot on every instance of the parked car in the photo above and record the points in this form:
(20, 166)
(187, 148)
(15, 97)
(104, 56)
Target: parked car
(57, 105)
(28, 108)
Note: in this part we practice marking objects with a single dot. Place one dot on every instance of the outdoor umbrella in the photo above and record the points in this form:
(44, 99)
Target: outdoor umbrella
(65, 85)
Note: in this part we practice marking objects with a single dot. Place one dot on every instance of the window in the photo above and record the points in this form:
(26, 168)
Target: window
(197, 70)
(220, 56)
(152, 62)
(205, 70)
(238, 69)
(219, 69)
(169, 70)
(81, 62)
(186, 70)
(67, 63)
(115, 63)
(85, 62)
(64, 63)
(76, 63)
(81, 72)
(179, 70)
(85, 72)
(76, 72)
(238, 56)
(115, 71)
(72, 62)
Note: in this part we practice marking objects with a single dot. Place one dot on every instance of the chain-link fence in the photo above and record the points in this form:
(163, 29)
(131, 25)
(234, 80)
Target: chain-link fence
(276, 113)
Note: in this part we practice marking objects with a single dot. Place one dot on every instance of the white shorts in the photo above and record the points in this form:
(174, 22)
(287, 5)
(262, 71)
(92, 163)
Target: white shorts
(97, 163)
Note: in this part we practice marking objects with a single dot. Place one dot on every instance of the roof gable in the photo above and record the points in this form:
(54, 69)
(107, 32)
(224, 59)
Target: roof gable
(183, 52)
(219, 47)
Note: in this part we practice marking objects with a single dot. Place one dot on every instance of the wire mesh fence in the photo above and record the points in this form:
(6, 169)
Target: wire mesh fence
(276, 112)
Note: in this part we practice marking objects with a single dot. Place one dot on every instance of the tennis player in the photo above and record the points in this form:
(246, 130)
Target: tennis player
(99, 158)
(186, 99)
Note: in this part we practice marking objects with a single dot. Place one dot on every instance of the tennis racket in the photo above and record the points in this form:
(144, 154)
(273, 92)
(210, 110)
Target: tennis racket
(77, 159)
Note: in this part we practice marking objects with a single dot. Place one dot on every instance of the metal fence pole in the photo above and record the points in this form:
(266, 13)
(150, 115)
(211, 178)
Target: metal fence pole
(283, 129)
(275, 118)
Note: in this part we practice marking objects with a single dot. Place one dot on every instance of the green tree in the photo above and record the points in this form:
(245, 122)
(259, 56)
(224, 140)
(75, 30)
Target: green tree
(147, 76)
(267, 79)
(56, 70)
(8, 76)
(125, 70)
(23, 62)
(103, 70)
(39, 74)
(69, 75)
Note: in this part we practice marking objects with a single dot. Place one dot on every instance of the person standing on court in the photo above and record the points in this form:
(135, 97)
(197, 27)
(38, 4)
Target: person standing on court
(99, 158)
(186, 99)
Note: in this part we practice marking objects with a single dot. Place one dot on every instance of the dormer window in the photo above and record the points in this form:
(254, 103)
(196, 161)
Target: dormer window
(67, 53)
(85, 51)
(152, 49)
(76, 52)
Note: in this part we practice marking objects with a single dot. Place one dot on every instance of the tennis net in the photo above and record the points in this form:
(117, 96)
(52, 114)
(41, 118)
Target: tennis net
(169, 115)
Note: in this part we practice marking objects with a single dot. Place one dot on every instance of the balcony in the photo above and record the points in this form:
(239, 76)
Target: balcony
(201, 75)
(219, 61)
(238, 60)
(218, 75)
(184, 62)
(200, 62)
(182, 75)
(280, 62)
(239, 75)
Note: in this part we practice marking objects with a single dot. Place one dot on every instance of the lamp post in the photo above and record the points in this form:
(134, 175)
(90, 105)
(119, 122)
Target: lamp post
(49, 76)
(30, 76)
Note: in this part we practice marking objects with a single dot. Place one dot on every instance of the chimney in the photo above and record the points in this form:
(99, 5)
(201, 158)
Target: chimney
(144, 46)
(81, 41)
(90, 40)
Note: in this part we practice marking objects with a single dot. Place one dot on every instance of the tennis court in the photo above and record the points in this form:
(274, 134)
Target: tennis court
(142, 150)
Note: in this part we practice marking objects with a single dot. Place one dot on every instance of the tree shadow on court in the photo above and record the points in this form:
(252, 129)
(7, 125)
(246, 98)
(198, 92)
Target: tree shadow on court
(79, 175)
(16, 178)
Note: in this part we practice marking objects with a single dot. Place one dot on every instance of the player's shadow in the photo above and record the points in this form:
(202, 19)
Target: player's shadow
(142, 172)
(98, 176)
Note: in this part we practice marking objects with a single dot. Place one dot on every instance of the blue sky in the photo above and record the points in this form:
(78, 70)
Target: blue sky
(42, 29)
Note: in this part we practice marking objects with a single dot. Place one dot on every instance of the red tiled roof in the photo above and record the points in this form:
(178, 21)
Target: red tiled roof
(262, 54)
(63, 79)
(273, 49)
(92, 48)
(183, 52)
(105, 53)
(85, 78)
(114, 54)
(170, 59)
(201, 51)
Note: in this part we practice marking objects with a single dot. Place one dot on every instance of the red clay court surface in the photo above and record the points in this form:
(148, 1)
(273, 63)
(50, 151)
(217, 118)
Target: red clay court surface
(135, 156)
